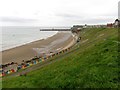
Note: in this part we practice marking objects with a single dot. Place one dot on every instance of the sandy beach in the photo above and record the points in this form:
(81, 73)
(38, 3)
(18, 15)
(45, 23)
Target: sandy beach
(59, 41)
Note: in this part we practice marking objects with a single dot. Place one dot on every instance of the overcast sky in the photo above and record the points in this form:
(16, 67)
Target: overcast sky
(57, 12)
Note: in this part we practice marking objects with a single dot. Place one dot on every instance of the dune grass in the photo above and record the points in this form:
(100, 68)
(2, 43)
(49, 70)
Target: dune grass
(92, 63)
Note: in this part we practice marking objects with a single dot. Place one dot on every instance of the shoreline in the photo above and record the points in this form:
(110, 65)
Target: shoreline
(26, 52)
(8, 48)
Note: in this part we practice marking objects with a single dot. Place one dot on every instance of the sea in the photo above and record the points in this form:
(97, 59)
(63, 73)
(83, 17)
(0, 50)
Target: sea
(14, 36)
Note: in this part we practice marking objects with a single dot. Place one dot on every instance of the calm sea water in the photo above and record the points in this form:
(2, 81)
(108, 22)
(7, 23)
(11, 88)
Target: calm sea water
(15, 36)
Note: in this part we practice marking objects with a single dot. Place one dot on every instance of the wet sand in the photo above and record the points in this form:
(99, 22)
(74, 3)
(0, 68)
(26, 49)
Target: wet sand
(25, 52)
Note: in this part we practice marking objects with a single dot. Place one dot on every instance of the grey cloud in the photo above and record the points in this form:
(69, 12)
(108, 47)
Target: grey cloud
(112, 14)
(66, 15)
(16, 20)
(95, 20)
(82, 19)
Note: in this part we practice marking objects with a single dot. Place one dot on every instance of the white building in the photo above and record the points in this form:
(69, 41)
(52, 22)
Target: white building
(116, 23)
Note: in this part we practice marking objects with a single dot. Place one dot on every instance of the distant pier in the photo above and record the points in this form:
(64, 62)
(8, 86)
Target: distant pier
(55, 29)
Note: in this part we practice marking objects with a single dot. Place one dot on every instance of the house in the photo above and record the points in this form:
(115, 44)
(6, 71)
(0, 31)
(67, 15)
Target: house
(110, 25)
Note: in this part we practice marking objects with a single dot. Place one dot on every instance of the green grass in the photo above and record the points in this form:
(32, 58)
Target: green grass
(92, 64)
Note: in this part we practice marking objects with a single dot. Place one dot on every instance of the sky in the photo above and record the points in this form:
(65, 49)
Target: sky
(57, 12)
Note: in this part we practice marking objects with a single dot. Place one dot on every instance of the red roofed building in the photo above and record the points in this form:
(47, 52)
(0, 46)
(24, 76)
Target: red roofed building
(110, 25)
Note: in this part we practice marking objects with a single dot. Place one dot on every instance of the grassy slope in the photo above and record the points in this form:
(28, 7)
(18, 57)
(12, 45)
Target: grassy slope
(93, 63)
